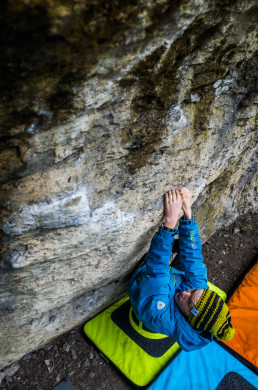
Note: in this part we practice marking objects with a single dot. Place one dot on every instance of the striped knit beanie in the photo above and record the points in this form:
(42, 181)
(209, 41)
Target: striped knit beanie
(212, 315)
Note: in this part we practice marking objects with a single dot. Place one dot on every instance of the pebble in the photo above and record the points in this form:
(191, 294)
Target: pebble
(27, 357)
(41, 353)
(91, 355)
(66, 347)
(48, 347)
(58, 378)
(10, 371)
(236, 230)
(2, 376)
(73, 353)
(49, 364)
(95, 363)
(91, 374)
(86, 363)
(56, 351)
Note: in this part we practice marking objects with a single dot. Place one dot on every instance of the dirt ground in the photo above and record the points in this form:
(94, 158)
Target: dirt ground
(228, 254)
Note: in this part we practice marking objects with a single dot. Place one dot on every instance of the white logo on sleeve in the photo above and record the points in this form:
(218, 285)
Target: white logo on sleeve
(160, 305)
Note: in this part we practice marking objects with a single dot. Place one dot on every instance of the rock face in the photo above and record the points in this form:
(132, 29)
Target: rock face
(105, 106)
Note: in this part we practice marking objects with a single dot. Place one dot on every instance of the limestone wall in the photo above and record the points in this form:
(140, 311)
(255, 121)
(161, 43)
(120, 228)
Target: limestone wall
(105, 106)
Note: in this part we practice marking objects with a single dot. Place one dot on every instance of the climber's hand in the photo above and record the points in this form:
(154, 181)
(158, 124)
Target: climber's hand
(173, 206)
(186, 202)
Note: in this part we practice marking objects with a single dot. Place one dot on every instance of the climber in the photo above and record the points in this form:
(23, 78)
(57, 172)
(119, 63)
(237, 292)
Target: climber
(176, 300)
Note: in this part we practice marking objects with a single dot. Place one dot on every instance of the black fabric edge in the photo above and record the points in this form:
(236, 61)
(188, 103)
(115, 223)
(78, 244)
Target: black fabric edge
(239, 357)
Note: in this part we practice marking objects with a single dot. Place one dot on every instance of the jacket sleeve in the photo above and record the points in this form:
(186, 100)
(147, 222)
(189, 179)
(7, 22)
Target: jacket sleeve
(153, 300)
(191, 259)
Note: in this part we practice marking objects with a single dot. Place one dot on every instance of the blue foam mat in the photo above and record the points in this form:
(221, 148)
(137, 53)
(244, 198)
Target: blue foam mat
(204, 369)
(64, 385)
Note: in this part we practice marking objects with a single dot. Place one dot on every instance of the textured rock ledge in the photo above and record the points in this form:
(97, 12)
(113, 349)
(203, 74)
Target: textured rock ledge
(103, 108)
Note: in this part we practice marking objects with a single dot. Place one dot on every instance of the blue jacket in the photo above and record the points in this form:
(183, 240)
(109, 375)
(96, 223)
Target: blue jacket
(153, 286)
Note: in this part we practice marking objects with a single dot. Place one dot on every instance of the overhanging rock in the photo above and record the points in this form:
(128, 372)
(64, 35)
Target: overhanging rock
(104, 107)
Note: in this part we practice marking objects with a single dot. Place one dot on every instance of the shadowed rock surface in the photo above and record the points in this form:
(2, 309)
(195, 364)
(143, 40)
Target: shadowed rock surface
(105, 106)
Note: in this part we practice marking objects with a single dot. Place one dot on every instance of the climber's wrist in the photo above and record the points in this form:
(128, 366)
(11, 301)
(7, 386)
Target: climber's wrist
(188, 213)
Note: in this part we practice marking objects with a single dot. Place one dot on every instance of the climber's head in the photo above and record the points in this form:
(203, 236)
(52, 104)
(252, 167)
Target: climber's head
(186, 300)
(205, 310)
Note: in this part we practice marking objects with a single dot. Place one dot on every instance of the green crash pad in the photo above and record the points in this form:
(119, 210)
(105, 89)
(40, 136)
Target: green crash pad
(137, 352)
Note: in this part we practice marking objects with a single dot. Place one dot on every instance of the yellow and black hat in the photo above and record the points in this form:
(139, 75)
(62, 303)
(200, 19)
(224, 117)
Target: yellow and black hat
(212, 315)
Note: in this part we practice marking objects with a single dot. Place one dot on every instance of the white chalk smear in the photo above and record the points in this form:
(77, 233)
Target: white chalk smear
(176, 119)
(111, 216)
(70, 210)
